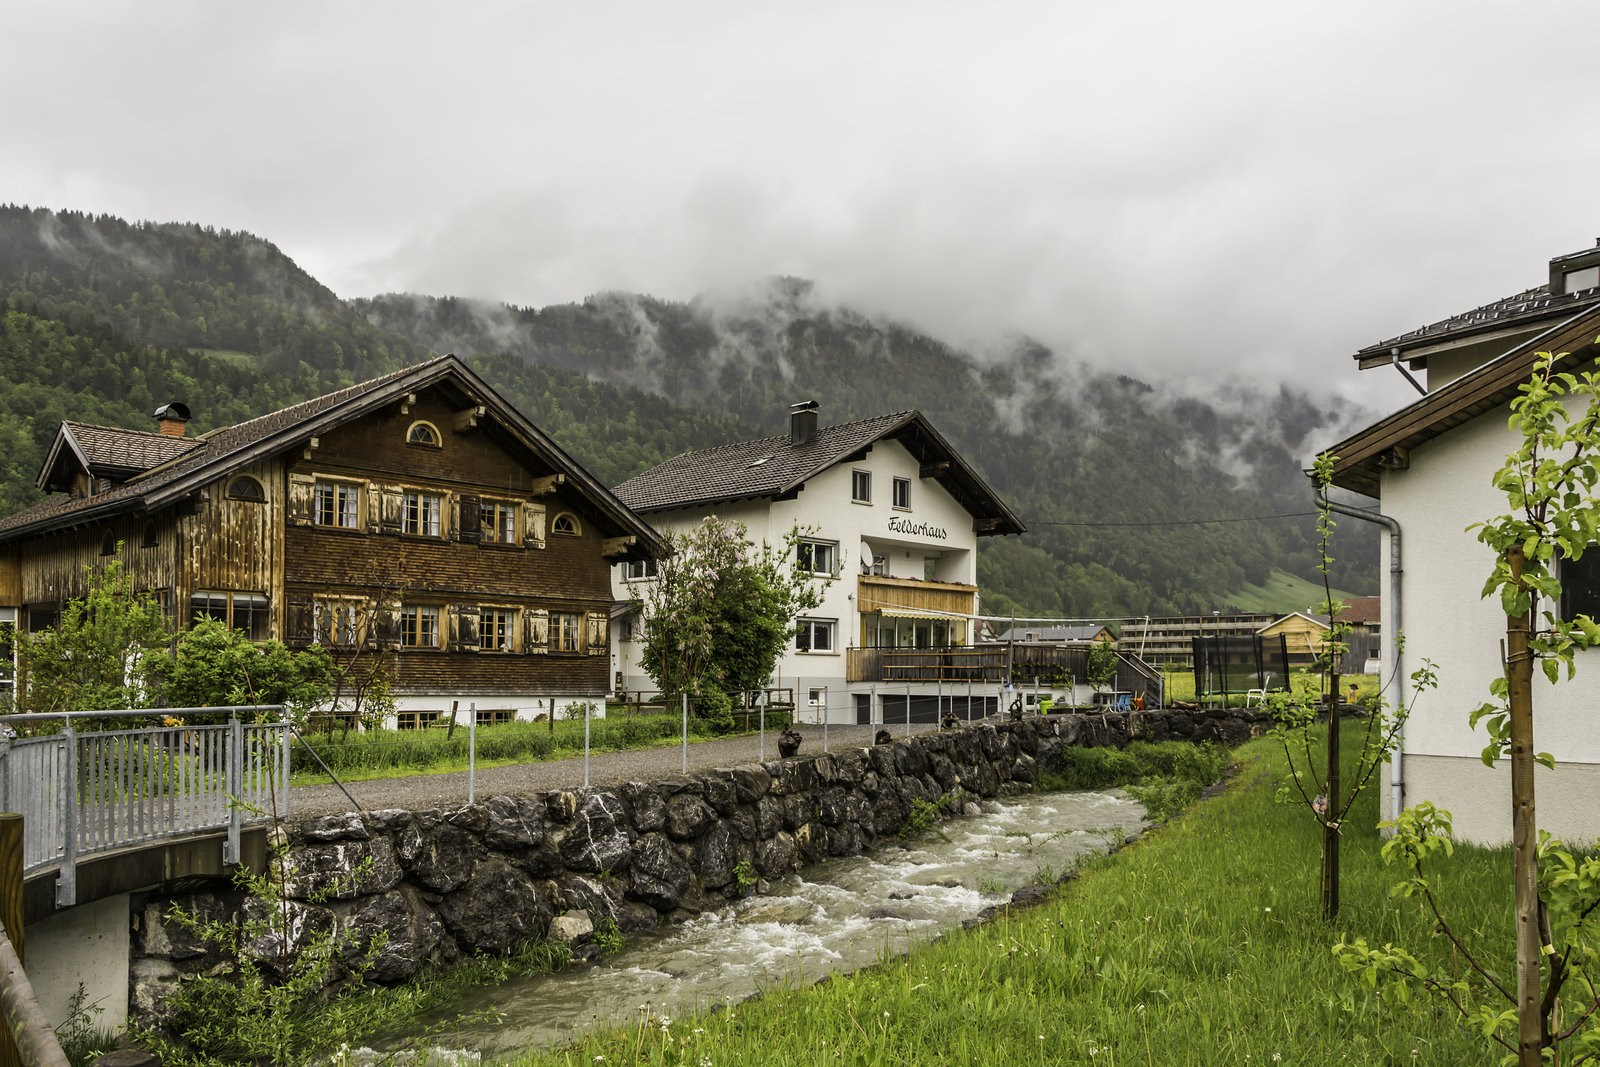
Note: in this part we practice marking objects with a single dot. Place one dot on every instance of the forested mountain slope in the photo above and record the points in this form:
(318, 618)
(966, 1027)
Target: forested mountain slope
(102, 320)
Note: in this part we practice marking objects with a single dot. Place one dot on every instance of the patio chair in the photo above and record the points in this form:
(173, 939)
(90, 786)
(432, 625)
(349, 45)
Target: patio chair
(1258, 695)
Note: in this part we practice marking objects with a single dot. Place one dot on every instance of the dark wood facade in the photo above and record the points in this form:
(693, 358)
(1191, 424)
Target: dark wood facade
(422, 523)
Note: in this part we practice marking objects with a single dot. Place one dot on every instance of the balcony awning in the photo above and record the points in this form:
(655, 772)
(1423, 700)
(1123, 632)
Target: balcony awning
(917, 613)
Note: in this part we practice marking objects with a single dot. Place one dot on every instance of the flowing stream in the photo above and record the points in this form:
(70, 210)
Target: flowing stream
(834, 916)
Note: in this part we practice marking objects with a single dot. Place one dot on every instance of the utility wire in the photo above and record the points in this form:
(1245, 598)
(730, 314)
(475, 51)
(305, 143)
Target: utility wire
(1178, 522)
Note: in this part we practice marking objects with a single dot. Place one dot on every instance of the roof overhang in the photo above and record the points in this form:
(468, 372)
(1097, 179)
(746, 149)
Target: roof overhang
(1363, 457)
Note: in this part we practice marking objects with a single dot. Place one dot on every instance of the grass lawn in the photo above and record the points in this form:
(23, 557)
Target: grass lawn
(1282, 593)
(1203, 944)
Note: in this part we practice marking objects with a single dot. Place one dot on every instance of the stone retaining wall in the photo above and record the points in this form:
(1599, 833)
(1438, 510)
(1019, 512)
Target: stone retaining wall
(488, 877)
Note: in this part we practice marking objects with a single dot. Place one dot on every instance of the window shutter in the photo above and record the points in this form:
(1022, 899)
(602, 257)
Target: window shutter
(301, 489)
(599, 621)
(463, 627)
(538, 640)
(392, 502)
(533, 525)
(388, 619)
(469, 524)
(297, 621)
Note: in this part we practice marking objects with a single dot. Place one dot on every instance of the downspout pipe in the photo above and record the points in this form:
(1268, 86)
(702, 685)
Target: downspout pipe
(1397, 781)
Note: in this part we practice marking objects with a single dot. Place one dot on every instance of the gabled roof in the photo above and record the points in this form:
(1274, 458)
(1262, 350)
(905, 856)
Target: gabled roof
(1362, 610)
(217, 453)
(1496, 327)
(777, 467)
(1320, 621)
(106, 452)
(1387, 443)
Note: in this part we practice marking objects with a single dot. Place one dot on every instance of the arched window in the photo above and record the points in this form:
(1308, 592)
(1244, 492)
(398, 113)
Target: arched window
(108, 543)
(151, 538)
(566, 523)
(423, 433)
(246, 488)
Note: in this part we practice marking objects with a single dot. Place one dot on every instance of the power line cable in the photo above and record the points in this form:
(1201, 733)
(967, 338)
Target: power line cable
(1177, 522)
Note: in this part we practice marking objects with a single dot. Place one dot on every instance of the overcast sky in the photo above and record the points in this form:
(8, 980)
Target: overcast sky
(1175, 189)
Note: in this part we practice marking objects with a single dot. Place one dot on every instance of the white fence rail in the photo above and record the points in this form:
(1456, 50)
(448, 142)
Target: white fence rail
(82, 792)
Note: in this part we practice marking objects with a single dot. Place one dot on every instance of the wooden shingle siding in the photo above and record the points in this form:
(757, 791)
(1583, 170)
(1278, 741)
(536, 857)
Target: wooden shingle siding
(456, 672)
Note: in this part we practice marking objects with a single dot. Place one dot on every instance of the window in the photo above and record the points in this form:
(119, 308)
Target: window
(1580, 585)
(415, 720)
(496, 716)
(8, 656)
(497, 522)
(43, 617)
(497, 629)
(238, 611)
(419, 626)
(335, 504)
(625, 631)
(421, 514)
(815, 635)
(246, 489)
(902, 493)
(565, 523)
(423, 433)
(861, 486)
(333, 621)
(151, 535)
(108, 544)
(639, 569)
(564, 631)
(818, 557)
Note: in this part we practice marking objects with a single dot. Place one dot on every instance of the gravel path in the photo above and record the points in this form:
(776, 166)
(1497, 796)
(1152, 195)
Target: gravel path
(605, 769)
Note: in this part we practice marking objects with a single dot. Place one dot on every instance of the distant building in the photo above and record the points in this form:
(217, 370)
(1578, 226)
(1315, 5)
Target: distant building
(894, 514)
(1305, 636)
(1168, 641)
(1059, 634)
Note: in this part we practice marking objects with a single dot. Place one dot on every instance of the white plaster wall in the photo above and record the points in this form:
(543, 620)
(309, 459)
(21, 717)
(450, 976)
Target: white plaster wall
(939, 529)
(528, 706)
(1448, 622)
(87, 944)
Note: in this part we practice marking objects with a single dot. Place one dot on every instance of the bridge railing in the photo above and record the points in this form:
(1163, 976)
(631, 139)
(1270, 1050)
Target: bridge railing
(82, 792)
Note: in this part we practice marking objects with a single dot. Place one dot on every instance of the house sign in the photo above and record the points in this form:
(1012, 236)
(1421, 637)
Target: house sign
(921, 529)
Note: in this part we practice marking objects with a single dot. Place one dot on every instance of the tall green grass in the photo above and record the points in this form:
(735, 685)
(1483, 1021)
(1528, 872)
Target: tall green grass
(377, 753)
(1203, 944)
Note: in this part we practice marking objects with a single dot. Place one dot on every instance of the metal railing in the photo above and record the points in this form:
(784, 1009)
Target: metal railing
(91, 791)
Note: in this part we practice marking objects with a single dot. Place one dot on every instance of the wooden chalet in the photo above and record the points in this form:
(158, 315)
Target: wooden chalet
(417, 513)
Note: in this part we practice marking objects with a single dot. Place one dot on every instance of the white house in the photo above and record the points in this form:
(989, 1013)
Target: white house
(892, 511)
(1429, 465)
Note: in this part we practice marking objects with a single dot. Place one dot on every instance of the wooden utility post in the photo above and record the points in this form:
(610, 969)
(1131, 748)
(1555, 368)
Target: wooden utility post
(11, 909)
(1524, 831)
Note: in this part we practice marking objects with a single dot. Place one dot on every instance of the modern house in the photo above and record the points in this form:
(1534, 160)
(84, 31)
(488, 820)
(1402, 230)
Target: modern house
(889, 509)
(417, 515)
(1168, 641)
(1430, 466)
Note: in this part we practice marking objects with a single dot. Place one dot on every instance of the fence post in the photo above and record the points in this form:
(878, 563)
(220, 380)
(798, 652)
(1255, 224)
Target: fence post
(285, 736)
(233, 787)
(908, 707)
(761, 712)
(685, 732)
(472, 746)
(586, 744)
(873, 714)
(824, 718)
(67, 880)
(11, 908)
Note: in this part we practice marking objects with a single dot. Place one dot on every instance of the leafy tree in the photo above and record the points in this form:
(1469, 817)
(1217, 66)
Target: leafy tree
(102, 652)
(213, 666)
(1101, 664)
(721, 609)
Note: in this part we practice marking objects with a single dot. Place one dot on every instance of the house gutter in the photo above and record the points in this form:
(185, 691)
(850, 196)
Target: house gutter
(1397, 781)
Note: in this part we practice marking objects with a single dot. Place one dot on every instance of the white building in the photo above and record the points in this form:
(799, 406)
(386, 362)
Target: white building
(892, 511)
(1430, 466)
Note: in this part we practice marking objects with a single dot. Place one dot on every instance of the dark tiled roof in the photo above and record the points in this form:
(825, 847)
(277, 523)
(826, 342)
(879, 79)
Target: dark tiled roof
(1052, 633)
(1525, 308)
(221, 450)
(112, 448)
(767, 467)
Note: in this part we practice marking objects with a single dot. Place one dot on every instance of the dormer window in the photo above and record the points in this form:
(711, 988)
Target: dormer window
(1576, 281)
(566, 523)
(246, 488)
(423, 433)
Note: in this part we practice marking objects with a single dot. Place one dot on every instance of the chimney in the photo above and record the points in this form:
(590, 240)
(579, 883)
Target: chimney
(802, 421)
(172, 417)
